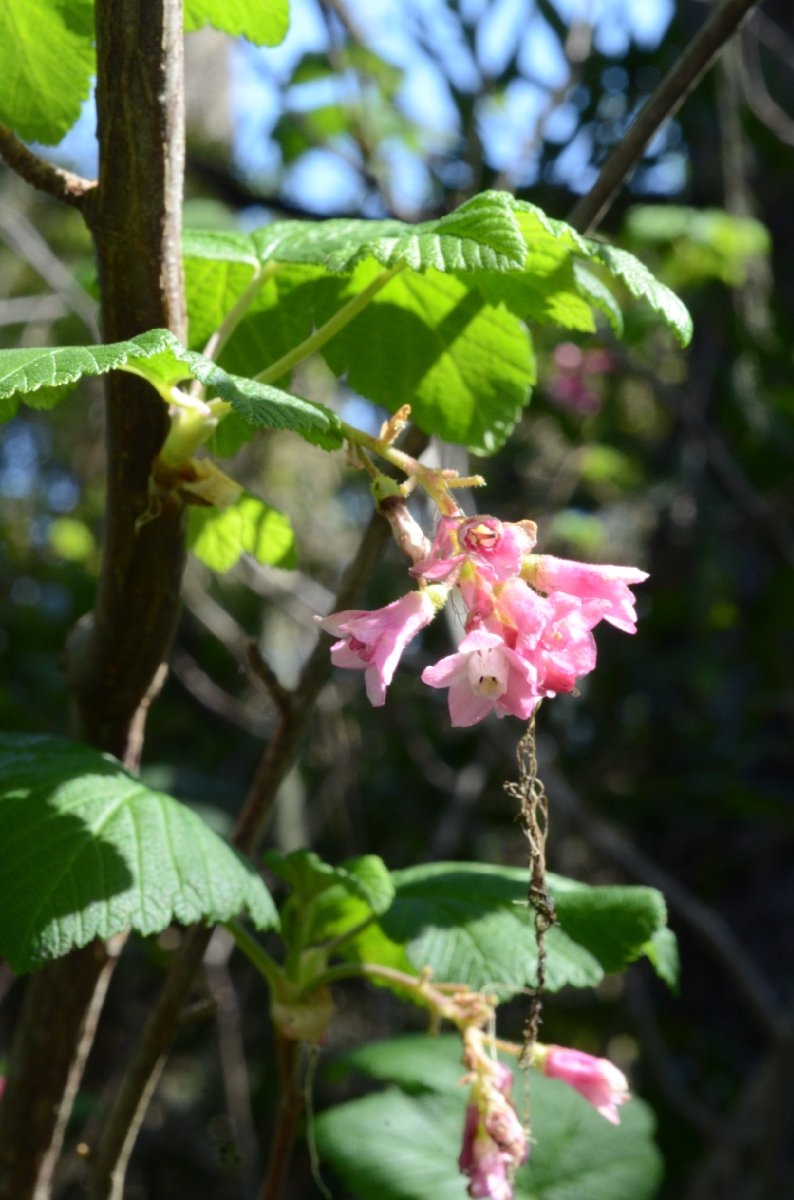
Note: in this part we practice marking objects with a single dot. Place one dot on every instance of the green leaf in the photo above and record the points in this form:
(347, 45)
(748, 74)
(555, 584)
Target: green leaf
(700, 243)
(642, 284)
(614, 923)
(465, 366)
(45, 374)
(267, 407)
(481, 235)
(445, 334)
(219, 537)
(34, 371)
(46, 63)
(89, 851)
(403, 1143)
(470, 922)
(662, 954)
(367, 877)
(263, 22)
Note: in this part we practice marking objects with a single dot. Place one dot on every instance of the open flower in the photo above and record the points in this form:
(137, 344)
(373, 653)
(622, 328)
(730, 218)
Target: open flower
(597, 1079)
(485, 675)
(589, 581)
(374, 641)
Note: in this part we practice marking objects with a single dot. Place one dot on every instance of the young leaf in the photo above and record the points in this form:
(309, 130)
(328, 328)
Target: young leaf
(28, 372)
(46, 374)
(267, 407)
(403, 1143)
(46, 63)
(263, 22)
(88, 851)
(644, 286)
(366, 877)
(219, 537)
(662, 953)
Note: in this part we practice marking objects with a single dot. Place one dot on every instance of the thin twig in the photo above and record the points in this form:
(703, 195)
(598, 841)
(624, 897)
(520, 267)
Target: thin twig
(25, 240)
(290, 1107)
(45, 176)
(679, 81)
(262, 670)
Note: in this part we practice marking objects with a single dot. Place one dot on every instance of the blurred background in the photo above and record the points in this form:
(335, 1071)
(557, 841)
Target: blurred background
(674, 765)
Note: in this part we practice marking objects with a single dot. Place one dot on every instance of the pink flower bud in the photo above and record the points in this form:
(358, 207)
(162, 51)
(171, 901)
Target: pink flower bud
(494, 1140)
(597, 1079)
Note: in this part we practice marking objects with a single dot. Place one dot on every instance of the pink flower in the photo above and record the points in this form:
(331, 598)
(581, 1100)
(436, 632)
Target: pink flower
(374, 641)
(483, 676)
(597, 1079)
(482, 1161)
(551, 632)
(590, 581)
(491, 548)
(494, 1140)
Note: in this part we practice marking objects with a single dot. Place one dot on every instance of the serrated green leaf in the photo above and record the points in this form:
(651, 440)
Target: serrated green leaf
(366, 877)
(470, 922)
(402, 1146)
(267, 407)
(443, 334)
(89, 851)
(642, 284)
(47, 60)
(599, 296)
(219, 537)
(614, 923)
(161, 359)
(481, 235)
(263, 22)
(36, 370)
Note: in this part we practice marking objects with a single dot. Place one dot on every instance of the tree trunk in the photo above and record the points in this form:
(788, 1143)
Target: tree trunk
(114, 658)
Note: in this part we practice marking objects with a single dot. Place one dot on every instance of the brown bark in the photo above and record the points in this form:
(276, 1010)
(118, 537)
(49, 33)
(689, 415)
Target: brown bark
(114, 659)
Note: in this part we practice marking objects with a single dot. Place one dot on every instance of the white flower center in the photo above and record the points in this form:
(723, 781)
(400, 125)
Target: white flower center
(487, 671)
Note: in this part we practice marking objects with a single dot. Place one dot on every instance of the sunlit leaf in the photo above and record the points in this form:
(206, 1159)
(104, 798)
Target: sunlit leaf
(219, 537)
(46, 63)
(89, 851)
(263, 22)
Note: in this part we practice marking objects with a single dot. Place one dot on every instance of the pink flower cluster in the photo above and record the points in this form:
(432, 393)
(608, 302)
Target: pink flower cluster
(528, 623)
(494, 1140)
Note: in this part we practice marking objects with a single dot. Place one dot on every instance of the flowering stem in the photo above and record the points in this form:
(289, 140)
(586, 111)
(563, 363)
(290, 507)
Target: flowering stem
(332, 326)
(448, 1001)
(435, 482)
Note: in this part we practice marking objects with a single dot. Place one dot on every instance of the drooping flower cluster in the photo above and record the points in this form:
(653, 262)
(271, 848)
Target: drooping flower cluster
(528, 618)
(495, 1143)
